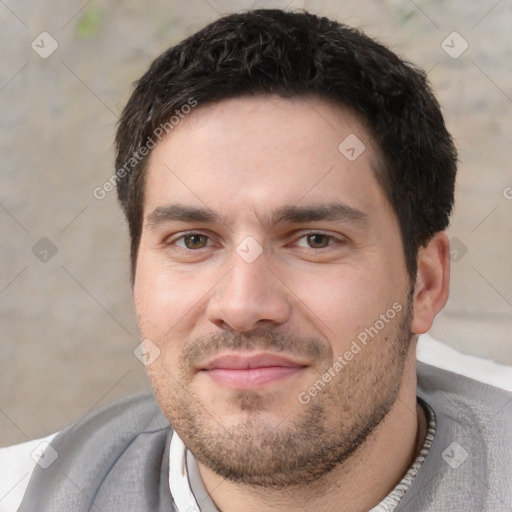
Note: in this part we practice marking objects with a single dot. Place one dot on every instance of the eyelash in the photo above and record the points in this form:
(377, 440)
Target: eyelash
(185, 235)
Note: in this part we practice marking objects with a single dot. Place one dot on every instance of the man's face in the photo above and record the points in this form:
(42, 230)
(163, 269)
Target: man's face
(267, 255)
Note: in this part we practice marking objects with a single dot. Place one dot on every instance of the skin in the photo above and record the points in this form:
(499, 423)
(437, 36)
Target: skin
(260, 448)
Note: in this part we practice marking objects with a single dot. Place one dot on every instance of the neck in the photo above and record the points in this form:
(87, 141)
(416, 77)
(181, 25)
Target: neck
(359, 484)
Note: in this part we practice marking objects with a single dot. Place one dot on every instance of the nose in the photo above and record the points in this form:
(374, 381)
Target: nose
(250, 296)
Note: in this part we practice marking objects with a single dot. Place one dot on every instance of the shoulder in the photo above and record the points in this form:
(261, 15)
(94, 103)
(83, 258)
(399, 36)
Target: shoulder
(17, 464)
(468, 389)
(474, 404)
(136, 412)
(117, 425)
(113, 426)
(441, 355)
(469, 463)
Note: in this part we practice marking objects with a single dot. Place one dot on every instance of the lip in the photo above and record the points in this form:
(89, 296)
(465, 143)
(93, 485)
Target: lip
(249, 360)
(248, 370)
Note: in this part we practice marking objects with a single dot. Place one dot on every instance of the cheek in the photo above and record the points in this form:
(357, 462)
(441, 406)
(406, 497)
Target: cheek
(163, 299)
(346, 300)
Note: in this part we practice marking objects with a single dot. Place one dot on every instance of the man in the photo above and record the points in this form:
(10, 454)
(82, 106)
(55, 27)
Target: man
(287, 182)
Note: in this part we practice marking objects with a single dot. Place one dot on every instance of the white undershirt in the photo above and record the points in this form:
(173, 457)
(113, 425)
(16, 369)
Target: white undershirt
(18, 462)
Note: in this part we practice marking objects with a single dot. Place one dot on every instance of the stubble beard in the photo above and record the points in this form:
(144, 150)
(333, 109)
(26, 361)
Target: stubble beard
(301, 449)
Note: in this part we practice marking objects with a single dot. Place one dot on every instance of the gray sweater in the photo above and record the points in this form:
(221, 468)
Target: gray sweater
(118, 459)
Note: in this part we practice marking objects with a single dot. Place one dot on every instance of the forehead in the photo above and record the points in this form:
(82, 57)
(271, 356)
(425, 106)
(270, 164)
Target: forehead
(256, 153)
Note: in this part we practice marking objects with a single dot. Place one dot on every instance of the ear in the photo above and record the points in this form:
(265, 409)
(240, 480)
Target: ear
(432, 282)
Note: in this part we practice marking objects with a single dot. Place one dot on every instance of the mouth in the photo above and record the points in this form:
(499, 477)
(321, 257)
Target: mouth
(244, 371)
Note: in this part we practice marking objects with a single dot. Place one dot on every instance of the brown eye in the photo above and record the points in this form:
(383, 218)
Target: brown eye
(318, 240)
(196, 241)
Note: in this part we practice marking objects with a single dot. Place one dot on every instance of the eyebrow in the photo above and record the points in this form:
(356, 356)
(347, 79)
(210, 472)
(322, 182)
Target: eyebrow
(179, 213)
(287, 214)
(325, 212)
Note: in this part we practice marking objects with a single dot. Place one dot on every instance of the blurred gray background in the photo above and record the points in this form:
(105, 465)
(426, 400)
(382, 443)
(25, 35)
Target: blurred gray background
(68, 330)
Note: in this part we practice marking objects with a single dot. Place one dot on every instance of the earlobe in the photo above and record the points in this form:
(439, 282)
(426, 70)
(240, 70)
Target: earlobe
(432, 282)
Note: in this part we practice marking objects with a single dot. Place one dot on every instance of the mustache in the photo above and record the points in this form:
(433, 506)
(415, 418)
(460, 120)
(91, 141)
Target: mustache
(308, 347)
